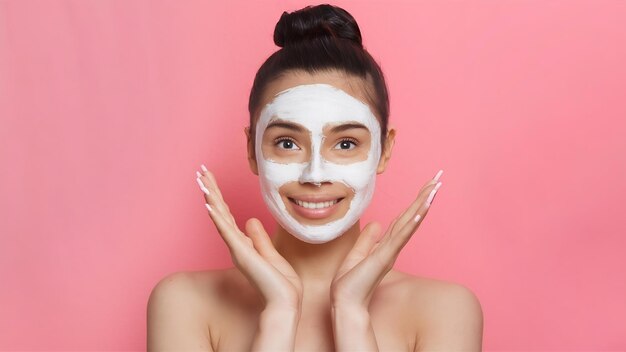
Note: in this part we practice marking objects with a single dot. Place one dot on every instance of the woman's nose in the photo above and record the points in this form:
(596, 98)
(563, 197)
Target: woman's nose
(314, 172)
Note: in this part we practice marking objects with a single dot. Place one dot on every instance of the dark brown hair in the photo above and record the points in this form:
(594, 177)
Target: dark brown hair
(320, 38)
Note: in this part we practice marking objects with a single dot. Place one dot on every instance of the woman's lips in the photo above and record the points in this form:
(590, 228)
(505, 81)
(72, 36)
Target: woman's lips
(315, 209)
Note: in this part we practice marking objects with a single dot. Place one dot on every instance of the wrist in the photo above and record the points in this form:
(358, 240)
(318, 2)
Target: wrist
(352, 329)
(281, 314)
(353, 314)
(277, 329)
(347, 301)
(285, 321)
(346, 305)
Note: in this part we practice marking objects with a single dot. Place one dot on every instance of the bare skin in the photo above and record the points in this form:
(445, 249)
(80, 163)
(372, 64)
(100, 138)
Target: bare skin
(313, 297)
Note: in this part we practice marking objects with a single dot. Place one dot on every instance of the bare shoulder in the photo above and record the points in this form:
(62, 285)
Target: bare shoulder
(447, 315)
(215, 290)
(437, 294)
(179, 306)
(192, 286)
(176, 289)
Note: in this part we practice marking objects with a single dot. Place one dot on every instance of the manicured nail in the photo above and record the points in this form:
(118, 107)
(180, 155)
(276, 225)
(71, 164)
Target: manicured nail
(438, 175)
(198, 174)
(432, 194)
(208, 207)
(204, 189)
(204, 168)
(417, 218)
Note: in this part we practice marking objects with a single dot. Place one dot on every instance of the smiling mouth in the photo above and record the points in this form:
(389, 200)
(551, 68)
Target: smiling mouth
(315, 205)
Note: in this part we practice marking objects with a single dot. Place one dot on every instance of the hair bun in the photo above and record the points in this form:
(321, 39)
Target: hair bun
(317, 21)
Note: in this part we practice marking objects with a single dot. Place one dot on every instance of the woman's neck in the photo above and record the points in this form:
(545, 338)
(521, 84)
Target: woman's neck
(315, 264)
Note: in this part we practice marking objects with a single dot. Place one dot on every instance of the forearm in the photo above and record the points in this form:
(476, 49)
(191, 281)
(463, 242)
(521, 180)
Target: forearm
(276, 330)
(353, 329)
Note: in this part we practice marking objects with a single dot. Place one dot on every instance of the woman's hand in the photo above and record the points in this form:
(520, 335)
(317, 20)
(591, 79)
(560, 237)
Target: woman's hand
(255, 256)
(369, 261)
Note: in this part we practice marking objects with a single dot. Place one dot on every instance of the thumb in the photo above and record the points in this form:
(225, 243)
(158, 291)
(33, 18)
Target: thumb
(260, 239)
(366, 240)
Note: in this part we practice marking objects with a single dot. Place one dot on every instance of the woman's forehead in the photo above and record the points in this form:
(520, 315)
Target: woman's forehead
(316, 106)
(350, 84)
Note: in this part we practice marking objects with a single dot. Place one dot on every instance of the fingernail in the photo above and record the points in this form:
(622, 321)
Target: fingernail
(204, 168)
(432, 194)
(208, 207)
(438, 175)
(198, 174)
(204, 189)
(417, 218)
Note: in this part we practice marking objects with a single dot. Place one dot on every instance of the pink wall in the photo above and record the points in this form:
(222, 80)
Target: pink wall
(109, 107)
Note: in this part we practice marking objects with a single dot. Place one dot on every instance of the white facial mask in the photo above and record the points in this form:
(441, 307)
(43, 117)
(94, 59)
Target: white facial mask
(315, 106)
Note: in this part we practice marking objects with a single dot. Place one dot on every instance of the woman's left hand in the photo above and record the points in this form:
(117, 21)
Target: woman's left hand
(369, 260)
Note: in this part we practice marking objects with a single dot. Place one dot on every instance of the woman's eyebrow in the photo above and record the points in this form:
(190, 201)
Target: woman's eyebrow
(287, 125)
(347, 126)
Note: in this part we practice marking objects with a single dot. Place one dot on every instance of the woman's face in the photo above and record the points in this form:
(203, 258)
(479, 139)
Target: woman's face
(318, 150)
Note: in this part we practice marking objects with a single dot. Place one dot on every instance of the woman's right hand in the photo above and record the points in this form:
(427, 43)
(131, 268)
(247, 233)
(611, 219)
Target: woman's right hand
(253, 254)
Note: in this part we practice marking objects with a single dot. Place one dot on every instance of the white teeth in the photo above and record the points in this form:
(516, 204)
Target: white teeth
(320, 205)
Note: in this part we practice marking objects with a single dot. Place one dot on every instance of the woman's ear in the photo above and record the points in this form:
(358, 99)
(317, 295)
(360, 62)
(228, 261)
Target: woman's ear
(384, 158)
(251, 156)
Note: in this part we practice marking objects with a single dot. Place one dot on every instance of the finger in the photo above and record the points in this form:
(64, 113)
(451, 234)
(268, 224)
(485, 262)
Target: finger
(368, 271)
(374, 247)
(212, 197)
(229, 233)
(385, 237)
(432, 194)
(423, 194)
(403, 227)
(365, 242)
(209, 182)
(401, 238)
(405, 232)
(210, 186)
(204, 188)
(260, 238)
(390, 229)
(361, 248)
(409, 214)
(264, 246)
(212, 182)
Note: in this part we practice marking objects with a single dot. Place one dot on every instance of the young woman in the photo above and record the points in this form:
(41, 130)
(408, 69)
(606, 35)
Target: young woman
(318, 136)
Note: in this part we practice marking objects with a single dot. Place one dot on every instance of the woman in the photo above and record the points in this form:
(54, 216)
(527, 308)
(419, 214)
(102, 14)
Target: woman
(318, 136)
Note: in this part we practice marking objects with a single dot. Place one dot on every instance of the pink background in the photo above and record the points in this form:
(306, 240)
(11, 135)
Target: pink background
(109, 107)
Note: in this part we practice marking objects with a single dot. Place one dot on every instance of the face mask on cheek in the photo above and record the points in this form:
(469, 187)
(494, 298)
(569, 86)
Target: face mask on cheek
(314, 107)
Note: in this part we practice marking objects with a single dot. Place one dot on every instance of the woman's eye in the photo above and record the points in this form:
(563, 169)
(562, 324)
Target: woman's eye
(287, 144)
(346, 144)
